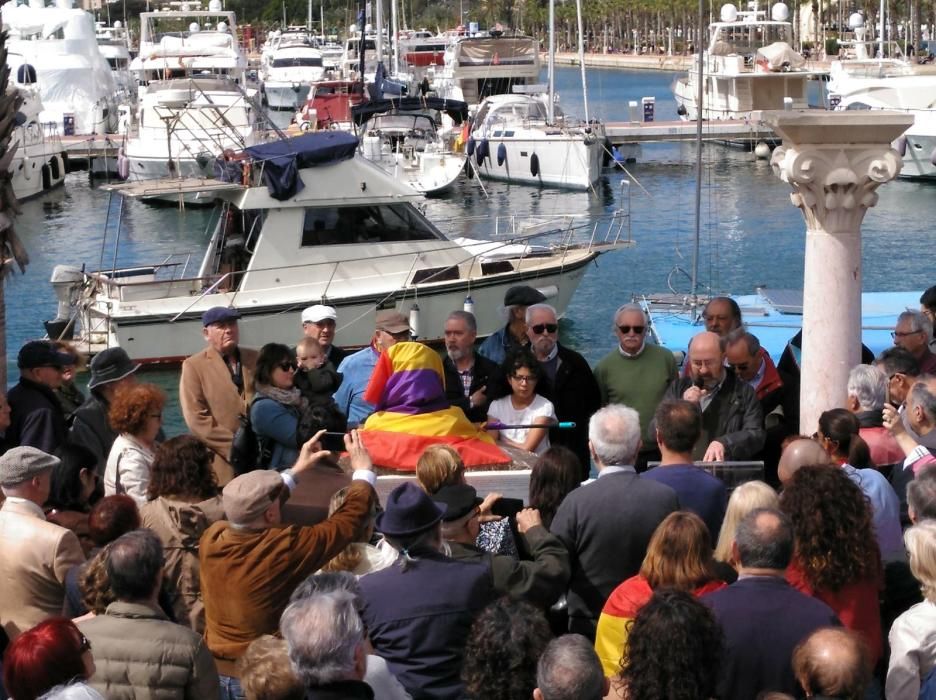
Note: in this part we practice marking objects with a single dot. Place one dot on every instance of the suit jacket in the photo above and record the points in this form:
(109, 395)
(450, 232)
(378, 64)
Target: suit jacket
(484, 373)
(606, 526)
(763, 619)
(35, 555)
(211, 403)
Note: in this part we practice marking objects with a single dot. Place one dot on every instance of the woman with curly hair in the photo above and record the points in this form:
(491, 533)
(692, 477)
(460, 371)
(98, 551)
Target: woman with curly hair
(504, 646)
(136, 415)
(838, 435)
(674, 651)
(184, 499)
(835, 558)
(679, 556)
(359, 557)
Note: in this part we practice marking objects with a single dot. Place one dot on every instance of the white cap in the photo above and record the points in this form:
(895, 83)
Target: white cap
(318, 313)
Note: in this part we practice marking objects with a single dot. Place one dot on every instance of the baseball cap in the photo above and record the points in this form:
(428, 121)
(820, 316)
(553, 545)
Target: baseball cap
(42, 353)
(318, 313)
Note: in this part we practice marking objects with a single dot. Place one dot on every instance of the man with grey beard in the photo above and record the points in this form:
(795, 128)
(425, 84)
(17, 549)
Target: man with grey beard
(467, 374)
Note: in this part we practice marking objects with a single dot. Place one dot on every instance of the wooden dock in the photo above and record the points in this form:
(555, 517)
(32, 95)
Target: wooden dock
(660, 131)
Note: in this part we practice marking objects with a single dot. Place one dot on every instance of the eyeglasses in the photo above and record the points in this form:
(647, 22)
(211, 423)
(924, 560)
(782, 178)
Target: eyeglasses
(524, 378)
(903, 334)
(288, 366)
(154, 415)
(638, 330)
(740, 367)
(84, 643)
(541, 328)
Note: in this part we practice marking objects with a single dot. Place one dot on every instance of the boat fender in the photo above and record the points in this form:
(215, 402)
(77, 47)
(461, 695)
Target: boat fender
(607, 153)
(414, 320)
(26, 166)
(54, 167)
(482, 151)
(901, 146)
(470, 147)
(469, 305)
(26, 74)
(501, 154)
(933, 157)
(534, 165)
(682, 111)
(123, 164)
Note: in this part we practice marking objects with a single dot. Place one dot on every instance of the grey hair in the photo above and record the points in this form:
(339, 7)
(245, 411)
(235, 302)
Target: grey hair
(411, 545)
(569, 669)
(533, 308)
(323, 632)
(466, 316)
(742, 334)
(134, 562)
(78, 690)
(920, 395)
(614, 433)
(869, 385)
(765, 545)
(921, 495)
(918, 322)
(326, 582)
(637, 308)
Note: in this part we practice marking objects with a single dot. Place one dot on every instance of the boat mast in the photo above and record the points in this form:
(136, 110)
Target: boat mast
(395, 39)
(378, 20)
(581, 55)
(550, 110)
(883, 11)
(698, 192)
(309, 18)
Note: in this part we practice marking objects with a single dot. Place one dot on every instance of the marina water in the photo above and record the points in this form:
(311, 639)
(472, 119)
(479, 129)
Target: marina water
(750, 232)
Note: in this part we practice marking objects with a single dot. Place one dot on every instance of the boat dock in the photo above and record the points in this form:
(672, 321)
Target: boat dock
(619, 133)
(82, 151)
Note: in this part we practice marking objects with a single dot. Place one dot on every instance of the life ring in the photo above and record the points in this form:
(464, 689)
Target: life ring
(534, 165)
(501, 154)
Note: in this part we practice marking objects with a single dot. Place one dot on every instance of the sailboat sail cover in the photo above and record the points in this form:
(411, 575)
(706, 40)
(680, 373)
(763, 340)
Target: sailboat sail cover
(412, 413)
(282, 160)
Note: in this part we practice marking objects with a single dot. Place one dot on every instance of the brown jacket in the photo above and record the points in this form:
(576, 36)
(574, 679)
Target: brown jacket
(34, 558)
(211, 403)
(247, 576)
(179, 526)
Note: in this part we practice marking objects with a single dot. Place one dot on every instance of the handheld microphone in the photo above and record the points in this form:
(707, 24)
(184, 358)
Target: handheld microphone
(698, 382)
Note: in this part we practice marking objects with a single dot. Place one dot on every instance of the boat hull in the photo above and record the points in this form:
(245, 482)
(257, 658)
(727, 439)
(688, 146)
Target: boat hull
(285, 96)
(572, 161)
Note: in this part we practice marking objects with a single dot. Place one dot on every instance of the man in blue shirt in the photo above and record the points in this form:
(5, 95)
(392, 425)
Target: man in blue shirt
(678, 426)
(392, 327)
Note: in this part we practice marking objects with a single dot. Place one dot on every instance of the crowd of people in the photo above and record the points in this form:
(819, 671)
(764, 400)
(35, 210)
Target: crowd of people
(138, 566)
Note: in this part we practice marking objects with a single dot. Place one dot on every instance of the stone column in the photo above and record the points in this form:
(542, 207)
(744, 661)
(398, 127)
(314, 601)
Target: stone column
(834, 161)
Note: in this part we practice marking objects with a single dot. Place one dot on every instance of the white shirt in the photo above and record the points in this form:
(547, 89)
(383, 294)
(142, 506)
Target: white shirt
(504, 411)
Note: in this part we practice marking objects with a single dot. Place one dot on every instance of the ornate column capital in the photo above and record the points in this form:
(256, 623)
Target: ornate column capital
(834, 184)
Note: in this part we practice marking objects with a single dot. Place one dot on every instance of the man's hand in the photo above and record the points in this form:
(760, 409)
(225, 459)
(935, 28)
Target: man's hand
(528, 518)
(360, 459)
(484, 510)
(310, 454)
(694, 394)
(477, 398)
(892, 420)
(715, 452)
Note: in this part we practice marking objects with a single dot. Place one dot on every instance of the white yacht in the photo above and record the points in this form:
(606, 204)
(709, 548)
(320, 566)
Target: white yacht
(750, 65)
(403, 137)
(288, 71)
(354, 46)
(193, 105)
(56, 48)
(114, 44)
(330, 228)
(39, 162)
(513, 139)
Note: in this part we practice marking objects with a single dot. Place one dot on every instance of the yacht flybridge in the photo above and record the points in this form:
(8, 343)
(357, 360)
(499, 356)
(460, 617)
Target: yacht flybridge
(307, 220)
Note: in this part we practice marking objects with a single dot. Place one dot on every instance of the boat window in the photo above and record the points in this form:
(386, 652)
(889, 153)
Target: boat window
(374, 224)
(298, 61)
(856, 106)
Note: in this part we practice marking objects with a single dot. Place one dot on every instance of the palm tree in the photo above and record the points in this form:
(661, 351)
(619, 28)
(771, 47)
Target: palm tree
(11, 250)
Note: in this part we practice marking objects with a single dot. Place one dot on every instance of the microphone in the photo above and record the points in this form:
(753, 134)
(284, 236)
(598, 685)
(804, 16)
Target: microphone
(698, 382)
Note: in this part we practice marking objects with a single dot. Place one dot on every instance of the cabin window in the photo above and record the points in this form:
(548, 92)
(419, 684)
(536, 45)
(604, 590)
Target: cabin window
(373, 224)
(298, 62)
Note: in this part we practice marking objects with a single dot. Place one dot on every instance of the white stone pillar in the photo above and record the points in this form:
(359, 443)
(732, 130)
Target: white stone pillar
(834, 161)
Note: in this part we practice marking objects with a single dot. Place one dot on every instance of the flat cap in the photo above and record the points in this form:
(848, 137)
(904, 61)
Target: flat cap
(392, 321)
(23, 463)
(42, 353)
(219, 314)
(523, 295)
(318, 313)
(247, 497)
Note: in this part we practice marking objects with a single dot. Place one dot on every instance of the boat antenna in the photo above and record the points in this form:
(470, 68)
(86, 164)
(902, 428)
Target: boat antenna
(581, 52)
(698, 189)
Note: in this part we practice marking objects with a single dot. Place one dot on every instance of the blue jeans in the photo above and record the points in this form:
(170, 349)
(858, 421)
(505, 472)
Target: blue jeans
(231, 688)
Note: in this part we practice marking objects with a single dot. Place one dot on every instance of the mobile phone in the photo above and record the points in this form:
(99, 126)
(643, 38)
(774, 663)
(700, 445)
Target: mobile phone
(333, 442)
(507, 507)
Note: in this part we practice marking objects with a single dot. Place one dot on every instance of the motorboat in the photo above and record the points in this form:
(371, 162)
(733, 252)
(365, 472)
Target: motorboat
(38, 164)
(749, 65)
(56, 48)
(362, 48)
(329, 105)
(513, 139)
(288, 71)
(487, 63)
(308, 220)
(113, 43)
(403, 137)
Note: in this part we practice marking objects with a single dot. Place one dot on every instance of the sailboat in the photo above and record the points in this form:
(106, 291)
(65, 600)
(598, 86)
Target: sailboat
(524, 137)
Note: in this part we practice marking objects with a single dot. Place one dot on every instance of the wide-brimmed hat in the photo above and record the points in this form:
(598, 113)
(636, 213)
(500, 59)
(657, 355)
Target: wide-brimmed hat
(110, 365)
(522, 295)
(459, 500)
(319, 313)
(392, 321)
(409, 511)
(219, 314)
(43, 353)
(23, 463)
(247, 497)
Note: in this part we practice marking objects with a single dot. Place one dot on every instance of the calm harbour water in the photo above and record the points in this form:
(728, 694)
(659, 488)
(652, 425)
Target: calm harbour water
(751, 234)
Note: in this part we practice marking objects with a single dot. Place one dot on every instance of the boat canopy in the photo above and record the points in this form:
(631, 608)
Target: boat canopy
(455, 109)
(282, 160)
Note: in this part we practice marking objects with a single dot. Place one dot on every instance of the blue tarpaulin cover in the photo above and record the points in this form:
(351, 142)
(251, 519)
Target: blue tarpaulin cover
(282, 160)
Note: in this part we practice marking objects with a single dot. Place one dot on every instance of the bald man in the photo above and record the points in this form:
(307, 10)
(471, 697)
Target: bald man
(800, 453)
(732, 420)
(832, 662)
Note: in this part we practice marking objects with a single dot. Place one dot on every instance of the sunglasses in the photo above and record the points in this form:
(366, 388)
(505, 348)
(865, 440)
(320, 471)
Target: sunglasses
(288, 366)
(541, 328)
(638, 330)
(740, 367)
(83, 643)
